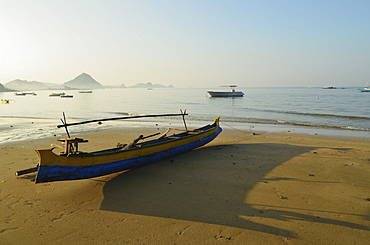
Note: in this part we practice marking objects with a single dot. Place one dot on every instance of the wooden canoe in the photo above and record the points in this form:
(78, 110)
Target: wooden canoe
(81, 165)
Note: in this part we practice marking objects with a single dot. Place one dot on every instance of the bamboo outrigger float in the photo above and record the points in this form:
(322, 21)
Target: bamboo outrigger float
(72, 164)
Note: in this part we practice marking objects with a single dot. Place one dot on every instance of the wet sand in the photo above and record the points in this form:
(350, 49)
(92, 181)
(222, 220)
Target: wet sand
(239, 189)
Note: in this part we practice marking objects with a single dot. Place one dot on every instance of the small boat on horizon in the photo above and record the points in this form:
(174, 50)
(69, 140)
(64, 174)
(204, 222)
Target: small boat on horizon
(56, 94)
(85, 92)
(66, 96)
(365, 89)
(24, 93)
(73, 164)
(231, 93)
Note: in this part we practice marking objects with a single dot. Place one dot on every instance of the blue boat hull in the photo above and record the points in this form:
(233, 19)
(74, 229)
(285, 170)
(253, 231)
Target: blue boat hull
(364, 90)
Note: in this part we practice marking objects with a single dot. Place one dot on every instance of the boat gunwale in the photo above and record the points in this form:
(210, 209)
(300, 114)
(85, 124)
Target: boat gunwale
(144, 145)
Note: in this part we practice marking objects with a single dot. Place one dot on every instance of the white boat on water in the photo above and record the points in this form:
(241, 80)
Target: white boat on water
(231, 93)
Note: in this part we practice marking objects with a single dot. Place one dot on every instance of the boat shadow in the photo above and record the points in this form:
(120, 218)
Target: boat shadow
(208, 185)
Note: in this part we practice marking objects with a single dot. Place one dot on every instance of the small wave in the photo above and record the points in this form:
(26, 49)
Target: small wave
(314, 114)
(322, 126)
(328, 115)
(120, 113)
(270, 121)
(25, 117)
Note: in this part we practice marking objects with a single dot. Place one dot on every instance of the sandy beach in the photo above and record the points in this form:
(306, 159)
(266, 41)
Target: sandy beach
(239, 189)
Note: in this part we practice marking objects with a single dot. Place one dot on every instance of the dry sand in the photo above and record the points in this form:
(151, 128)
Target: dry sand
(239, 189)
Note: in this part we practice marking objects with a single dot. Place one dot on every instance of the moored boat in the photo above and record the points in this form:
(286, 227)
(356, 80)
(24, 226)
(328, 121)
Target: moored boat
(231, 93)
(366, 89)
(25, 93)
(73, 164)
(66, 96)
(56, 94)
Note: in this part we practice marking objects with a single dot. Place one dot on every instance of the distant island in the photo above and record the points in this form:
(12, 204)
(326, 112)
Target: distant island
(19, 84)
(150, 85)
(83, 81)
(3, 89)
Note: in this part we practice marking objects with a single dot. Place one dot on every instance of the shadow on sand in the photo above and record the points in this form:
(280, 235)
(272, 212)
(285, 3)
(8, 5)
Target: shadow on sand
(208, 185)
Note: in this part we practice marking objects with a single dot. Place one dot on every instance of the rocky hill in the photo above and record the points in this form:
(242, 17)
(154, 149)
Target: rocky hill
(83, 81)
(150, 85)
(3, 89)
(25, 85)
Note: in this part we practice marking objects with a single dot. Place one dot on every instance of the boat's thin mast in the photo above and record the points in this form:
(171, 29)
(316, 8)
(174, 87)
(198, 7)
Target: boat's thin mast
(183, 119)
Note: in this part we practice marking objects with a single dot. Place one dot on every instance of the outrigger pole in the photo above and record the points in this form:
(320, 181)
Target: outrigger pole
(118, 118)
(183, 118)
(64, 123)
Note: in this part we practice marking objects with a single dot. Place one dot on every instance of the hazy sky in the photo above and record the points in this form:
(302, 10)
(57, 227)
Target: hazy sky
(194, 43)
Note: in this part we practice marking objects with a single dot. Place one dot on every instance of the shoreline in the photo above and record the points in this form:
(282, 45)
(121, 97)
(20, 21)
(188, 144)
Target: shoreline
(37, 128)
(239, 189)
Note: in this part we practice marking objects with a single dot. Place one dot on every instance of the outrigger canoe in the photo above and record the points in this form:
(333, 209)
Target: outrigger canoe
(72, 164)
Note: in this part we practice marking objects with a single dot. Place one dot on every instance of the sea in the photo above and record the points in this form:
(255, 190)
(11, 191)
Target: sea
(343, 112)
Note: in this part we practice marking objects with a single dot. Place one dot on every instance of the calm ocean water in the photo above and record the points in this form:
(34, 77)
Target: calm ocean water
(338, 112)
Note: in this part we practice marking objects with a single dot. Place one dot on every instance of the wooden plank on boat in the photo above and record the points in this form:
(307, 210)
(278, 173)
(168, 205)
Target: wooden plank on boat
(71, 144)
